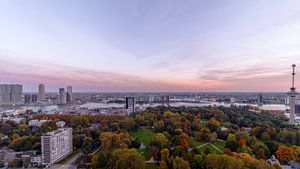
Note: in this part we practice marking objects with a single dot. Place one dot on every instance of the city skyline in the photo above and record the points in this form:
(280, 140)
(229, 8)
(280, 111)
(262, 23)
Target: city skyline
(153, 46)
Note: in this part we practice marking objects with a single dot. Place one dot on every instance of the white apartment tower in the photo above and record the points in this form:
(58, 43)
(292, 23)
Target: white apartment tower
(56, 145)
(41, 95)
(292, 93)
(10, 94)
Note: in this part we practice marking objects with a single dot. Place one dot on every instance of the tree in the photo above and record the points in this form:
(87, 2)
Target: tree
(252, 163)
(184, 140)
(260, 154)
(126, 158)
(242, 135)
(6, 128)
(127, 123)
(285, 154)
(87, 145)
(160, 140)
(21, 144)
(197, 161)
(22, 127)
(213, 137)
(213, 161)
(114, 126)
(265, 136)
(180, 163)
(101, 159)
(106, 140)
(164, 154)
(136, 143)
(15, 136)
(231, 142)
(214, 125)
(154, 153)
(163, 165)
(273, 146)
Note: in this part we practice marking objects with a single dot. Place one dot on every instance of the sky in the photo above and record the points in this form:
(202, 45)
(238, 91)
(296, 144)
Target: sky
(150, 46)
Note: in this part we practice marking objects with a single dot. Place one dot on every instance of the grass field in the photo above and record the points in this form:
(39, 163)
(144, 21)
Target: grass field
(144, 135)
(211, 149)
(196, 143)
(220, 144)
(145, 152)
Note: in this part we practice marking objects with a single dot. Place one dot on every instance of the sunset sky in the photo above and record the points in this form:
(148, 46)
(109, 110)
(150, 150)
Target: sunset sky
(150, 45)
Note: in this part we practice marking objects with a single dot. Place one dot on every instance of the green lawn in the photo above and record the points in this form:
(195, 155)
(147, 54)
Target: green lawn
(220, 144)
(211, 149)
(151, 166)
(145, 152)
(196, 143)
(144, 135)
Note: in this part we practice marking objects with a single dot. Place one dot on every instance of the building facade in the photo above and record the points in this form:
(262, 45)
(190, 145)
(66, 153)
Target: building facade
(69, 94)
(41, 94)
(30, 98)
(62, 96)
(10, 94)
(130, 104)
(56, 145)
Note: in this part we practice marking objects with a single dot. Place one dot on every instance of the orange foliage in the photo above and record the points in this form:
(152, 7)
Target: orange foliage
(285, 154)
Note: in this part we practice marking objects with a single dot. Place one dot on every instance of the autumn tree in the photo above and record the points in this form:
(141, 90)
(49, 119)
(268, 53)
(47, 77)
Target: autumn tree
(126, 158)
(214, 125)
(285, 154)
(213, 161)
(160, 140)
(164, 153)
(163, 165)
(180, 163)
(184, 140)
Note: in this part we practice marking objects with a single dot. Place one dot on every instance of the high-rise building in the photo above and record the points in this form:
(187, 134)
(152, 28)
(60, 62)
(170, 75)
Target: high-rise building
(292, 93)
(41, 95)
(30, 98)
(151, 99)
(56, 145)
(69, 94)
(62, 96)
(10, 94)
(260, 99)
(130, 104)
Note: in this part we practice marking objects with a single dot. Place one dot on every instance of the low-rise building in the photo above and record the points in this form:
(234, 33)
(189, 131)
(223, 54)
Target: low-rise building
(36, 122)
(60, 124)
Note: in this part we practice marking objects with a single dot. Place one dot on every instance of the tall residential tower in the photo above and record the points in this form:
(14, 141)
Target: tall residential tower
(41, 94)
(11, 94)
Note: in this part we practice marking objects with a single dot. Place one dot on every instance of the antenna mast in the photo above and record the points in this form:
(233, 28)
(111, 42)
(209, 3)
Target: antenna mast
(293, 79)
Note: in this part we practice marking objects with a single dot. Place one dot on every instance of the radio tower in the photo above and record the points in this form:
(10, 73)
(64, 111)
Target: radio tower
(292, 93)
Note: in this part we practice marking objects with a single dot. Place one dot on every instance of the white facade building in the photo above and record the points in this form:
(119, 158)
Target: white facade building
(56, 145)
(36, 122)
(10, 94)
